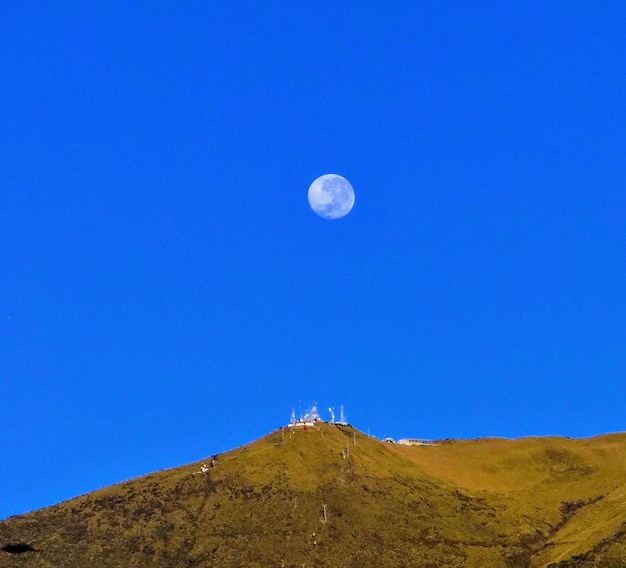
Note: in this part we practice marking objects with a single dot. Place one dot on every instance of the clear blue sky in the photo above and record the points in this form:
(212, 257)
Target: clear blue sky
(166, 293)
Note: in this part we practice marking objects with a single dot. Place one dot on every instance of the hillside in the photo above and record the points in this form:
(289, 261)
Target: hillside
(530, 502)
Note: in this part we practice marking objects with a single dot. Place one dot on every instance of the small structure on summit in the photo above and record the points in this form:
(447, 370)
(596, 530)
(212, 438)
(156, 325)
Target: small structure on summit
(416, 442)
(308, 420)
(311, 417)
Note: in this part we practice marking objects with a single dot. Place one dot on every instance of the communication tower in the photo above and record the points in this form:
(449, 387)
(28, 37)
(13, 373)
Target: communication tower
(332, 415)
(342, 416)
(293, 417)
(314, 415)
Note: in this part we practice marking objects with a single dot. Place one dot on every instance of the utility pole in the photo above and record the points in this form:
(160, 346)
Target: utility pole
(324, 512)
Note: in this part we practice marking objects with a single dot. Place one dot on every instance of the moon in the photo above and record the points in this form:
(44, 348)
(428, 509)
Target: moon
(331, 196)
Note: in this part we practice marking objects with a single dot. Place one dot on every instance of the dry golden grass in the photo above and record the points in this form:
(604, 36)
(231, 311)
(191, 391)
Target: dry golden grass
(490, 502)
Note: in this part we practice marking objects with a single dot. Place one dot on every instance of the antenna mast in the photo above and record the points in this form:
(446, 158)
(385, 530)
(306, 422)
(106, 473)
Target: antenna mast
(342, 416)
(314, 415)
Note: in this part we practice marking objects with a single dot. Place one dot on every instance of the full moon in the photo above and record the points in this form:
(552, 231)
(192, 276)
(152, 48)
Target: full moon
(331, 196)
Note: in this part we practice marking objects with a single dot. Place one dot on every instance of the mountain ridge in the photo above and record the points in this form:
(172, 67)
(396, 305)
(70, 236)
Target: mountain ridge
(332, 496)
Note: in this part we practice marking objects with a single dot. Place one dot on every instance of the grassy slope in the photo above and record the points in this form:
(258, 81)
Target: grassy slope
(571, 491)
(488, 502)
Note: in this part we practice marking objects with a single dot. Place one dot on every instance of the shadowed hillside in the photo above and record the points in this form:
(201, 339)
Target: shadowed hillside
(331, 496)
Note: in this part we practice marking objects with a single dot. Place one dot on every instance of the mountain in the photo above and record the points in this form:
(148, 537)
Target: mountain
(331, 496)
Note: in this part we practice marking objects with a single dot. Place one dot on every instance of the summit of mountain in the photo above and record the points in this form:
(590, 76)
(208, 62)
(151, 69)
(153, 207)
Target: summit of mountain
(329, 495)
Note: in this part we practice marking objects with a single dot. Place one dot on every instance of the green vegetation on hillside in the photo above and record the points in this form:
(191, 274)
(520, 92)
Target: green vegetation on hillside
(331, 496)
